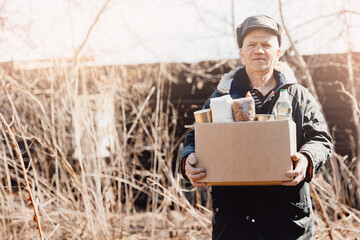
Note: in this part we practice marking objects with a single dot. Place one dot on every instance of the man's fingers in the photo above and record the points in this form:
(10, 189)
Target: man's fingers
(189, 166)
(293, 173)
(301, 164)
(197, 184)
(196, 177)
(294, 182)
(298, 174)
(192, 159)
(192, 170)
(296, 156)
(193, 173)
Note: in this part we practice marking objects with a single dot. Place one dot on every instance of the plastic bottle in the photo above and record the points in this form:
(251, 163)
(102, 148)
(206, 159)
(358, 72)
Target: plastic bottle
(282, 108)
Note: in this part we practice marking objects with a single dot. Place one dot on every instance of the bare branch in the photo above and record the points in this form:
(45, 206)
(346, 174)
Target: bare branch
(322, 210)
(233, 16)
(354, 106)
(2, 5)
(316, 19)
(302, 65)
(77, 53)
(347, 93)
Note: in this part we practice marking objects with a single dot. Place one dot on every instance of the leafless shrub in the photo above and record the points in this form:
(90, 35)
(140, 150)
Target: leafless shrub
(82, 195)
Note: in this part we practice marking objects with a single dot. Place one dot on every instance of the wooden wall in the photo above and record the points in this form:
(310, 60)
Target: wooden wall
(325, 70)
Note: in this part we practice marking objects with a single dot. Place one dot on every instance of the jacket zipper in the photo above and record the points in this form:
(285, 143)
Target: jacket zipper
(269, 98)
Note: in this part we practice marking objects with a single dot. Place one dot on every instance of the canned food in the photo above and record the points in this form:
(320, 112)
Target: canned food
(282, 118)
(203, 116)
(264, 117)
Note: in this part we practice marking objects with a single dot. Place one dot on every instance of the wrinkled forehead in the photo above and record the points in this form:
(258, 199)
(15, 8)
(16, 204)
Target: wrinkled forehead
(262, 35)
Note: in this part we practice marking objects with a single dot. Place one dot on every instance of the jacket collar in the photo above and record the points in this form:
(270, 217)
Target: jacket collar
(286, 76)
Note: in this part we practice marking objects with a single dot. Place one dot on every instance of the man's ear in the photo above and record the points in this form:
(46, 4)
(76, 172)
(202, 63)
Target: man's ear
(241, 54)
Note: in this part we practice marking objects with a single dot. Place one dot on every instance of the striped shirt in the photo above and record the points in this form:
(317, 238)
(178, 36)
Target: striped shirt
(258, 97)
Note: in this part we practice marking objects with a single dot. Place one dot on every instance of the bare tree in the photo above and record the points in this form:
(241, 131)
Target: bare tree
(301, 64)
(343, 14)
(354, 106)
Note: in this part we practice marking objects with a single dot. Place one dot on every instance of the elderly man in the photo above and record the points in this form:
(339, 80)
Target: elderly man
(266, 212)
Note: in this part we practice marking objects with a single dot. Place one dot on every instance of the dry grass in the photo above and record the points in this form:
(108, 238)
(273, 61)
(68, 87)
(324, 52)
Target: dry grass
(79, 194)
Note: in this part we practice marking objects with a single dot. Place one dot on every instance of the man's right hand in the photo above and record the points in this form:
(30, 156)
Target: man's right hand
(193, 173)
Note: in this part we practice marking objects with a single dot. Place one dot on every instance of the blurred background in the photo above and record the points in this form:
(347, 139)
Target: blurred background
(97, 96)
(131, 32)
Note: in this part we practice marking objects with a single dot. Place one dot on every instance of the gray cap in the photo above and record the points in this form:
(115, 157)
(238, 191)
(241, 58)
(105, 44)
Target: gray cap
(257, 22)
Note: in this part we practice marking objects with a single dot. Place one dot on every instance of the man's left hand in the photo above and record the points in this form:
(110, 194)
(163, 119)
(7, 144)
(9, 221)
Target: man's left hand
(299, 173)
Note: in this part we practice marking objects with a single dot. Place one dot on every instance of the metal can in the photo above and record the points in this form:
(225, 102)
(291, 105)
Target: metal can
(203, 116)
(264, 117)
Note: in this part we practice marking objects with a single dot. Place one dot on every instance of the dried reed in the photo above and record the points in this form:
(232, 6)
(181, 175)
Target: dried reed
(31, 198)
(132, 193)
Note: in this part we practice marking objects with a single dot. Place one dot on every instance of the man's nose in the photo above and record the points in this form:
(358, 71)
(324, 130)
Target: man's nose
(259, 49)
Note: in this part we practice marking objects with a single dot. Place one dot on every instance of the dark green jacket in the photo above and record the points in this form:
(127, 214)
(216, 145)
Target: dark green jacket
(273, 212)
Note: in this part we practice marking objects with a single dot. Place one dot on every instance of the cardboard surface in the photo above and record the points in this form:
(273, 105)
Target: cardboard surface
(245, 153)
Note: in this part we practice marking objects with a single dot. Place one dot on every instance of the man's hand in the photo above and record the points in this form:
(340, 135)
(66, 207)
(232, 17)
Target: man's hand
(193, 173)
(299, 173)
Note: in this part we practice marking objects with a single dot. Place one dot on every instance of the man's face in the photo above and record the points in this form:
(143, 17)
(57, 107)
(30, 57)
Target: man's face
(260, 51)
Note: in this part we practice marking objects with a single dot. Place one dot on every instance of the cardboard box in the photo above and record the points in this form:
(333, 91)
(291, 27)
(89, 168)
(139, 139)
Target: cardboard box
(245, 153)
